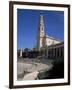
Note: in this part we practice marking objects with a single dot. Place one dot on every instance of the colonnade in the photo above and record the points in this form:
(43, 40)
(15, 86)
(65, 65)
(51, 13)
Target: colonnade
(52, 52)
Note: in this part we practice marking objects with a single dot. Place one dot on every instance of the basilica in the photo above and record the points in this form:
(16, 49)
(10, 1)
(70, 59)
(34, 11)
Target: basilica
(43, 39)
(46, 46)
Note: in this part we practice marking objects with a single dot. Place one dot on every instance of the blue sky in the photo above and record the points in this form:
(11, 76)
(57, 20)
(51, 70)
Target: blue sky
(27, 26)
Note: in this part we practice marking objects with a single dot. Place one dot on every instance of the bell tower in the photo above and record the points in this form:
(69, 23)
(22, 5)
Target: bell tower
(40, 33)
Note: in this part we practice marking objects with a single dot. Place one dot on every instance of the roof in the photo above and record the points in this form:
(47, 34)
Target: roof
(56, 45)
(53, 38)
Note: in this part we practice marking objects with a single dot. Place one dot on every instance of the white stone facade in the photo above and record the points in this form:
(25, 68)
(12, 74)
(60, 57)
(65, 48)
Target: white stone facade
(43, 39)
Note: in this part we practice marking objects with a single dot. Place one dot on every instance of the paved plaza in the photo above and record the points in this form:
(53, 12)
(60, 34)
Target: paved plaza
(28, 69)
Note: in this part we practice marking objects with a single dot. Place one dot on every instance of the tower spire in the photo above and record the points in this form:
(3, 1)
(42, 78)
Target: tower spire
(41, 33)
(41, 25)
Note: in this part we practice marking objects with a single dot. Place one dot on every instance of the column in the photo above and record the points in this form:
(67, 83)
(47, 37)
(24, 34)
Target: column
(50, 53)
(56, 53)
(47, 53)
(60, 53)
(53, 53)
(20, 53)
